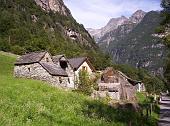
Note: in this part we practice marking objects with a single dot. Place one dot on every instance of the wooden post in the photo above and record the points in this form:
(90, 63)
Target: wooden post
(9, 40)
(150, 109)
(147, 112)
(130, 123)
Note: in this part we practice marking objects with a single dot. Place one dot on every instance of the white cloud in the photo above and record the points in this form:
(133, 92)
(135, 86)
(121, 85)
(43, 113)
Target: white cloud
(96, 13)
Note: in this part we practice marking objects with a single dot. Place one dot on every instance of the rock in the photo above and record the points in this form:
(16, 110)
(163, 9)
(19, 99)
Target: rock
(115, 23)
(54, 5)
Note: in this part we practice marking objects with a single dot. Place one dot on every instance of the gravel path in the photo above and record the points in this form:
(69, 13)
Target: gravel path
(164, 111)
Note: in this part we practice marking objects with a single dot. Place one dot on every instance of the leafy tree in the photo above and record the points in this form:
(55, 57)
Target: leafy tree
(87, 84)
(84, 82)
(166, 13)
(19, 30)
(166, 5)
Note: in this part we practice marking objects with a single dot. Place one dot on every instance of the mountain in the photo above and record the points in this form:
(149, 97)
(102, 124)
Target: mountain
(114, 24)
(134, 42)
(54, 5)
(138, 46)
(137, 16)
(34, 25)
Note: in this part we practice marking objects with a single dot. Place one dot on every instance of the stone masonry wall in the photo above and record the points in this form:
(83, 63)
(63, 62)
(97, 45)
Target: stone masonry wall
(36, 71)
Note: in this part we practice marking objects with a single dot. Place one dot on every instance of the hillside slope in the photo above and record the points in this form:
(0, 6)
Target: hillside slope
(34, 25)
(28, 102)
(25, 102)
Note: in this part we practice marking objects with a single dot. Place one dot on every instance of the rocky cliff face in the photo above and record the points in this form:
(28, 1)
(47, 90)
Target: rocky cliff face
(54, 5)
(139, 47)
(74, 33)
(137, 16)
(115, 25)
(134, 42)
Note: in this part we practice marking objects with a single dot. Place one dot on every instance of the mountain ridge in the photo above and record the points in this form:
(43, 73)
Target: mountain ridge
(139, 47)
(114, 23)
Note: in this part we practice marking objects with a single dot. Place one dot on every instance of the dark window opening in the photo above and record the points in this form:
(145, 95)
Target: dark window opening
(102, 79)
(47, 59)
(63, 64)
(117, 80)
(73, 36)
(84, 68)
(112, 90)
(69, 80)
(29, 69)
(60, 80)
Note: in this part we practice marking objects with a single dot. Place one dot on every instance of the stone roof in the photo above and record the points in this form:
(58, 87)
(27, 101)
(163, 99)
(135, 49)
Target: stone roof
(109, 72)
(77, 62)
(29, 58)
(53, 69)
(130, 80)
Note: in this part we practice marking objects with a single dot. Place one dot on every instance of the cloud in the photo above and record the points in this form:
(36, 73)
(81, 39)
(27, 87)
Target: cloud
(96, 13)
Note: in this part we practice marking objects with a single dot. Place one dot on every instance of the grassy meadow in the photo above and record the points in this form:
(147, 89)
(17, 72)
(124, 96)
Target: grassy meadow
(34, 103)
(26, 102)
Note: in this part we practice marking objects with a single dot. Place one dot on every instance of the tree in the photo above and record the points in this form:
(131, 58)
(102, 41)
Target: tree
(87, 83)
(165, 4)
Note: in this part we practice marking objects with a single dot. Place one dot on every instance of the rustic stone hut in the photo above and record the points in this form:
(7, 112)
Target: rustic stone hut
(40, 66)
(117, 85)
(56, 70)
(61, 60)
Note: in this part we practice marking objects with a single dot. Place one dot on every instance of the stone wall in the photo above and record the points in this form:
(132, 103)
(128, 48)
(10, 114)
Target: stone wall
(36, 71)
(105, 94)
(128, 91)
(70, 72)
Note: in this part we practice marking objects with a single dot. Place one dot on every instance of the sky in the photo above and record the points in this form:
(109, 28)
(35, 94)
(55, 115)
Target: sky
(97, 13)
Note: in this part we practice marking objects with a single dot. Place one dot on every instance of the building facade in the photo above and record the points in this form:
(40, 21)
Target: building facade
(117, 85)
(56, 70)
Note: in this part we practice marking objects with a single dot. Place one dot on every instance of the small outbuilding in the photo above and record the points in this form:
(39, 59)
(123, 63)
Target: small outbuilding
(117, 85)
(40, 66)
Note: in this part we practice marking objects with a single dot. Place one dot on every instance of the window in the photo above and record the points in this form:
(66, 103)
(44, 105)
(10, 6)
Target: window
(85, 68)
(63, 64)
(117, 80)
(47, 59)
(29, 69)
(69, 80)
(60, 80)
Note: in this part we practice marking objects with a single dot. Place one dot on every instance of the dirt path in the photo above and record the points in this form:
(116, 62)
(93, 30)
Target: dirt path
(164, 111)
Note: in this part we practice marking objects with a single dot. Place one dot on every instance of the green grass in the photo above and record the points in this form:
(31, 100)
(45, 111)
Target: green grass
(25, 102)
(144, 101)
(34, 103)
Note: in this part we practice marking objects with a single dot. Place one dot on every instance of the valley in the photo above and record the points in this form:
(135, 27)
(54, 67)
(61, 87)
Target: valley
(132, 41)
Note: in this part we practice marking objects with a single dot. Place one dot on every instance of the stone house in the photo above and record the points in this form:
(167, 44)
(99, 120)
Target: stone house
(61, 60)
(81, 63)
(56, 70)
(40, 66)
(116, 85)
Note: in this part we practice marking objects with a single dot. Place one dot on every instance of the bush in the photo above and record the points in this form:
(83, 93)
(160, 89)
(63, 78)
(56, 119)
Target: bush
(17, 50)
(86, 84)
